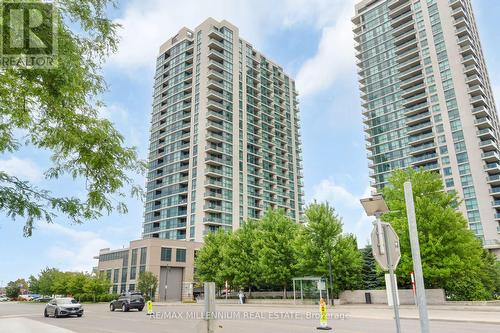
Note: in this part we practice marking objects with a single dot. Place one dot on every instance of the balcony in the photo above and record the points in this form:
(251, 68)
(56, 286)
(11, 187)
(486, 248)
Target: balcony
(473, 79)
(476, 90)
(471, 70)
(211, 182)
(405, 38)
(470, 60)
(209, 220)
(415, 109)
(216, 34)
(488, 144)
(480, 111)
(411, 81)
(401, 9)
(412, 62)
(211, 207)
(483, 122)
(424, 159)
(495, 191)
(420, 128)
(463, 31)
(413, 91)
(215, 65)
(478, 101)
(401, 29)
(490, 156)
(493, 180)
(426, 147)
(213, 171)
(485, 133)
(419, 117)
(401, 19)
(419, 139)
(415, 100)
(410, 72)
(410, 45)
(461, 22)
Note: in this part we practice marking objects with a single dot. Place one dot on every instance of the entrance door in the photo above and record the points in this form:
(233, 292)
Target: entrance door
(171, 277)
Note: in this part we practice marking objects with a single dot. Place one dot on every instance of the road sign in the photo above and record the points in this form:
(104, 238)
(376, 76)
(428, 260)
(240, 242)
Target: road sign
(392, 245)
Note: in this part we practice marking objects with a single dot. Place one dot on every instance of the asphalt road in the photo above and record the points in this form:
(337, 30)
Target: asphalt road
(23, 317)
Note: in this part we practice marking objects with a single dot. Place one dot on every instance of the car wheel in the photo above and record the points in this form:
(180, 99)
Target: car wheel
(124, 308)
(112, 307)
(56, 313)
(140, 309)
(45, 314)
(79, 315)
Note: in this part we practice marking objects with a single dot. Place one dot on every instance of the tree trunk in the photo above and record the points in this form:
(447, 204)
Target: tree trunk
(284, 291)
(249, 291)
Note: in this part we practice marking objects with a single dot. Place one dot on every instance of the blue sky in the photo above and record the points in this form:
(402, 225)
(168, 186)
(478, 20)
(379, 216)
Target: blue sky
(312, 39)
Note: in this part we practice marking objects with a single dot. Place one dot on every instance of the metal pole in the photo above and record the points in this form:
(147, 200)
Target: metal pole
(415, 254)
(381, 245)
(393, 285)
(209, 305)
(331, 276)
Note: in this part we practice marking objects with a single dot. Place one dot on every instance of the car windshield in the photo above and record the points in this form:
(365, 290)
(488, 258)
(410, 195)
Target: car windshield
(66, 301)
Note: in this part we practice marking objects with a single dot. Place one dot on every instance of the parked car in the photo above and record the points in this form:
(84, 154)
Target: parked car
(4, 299)
(65, 306)
(43, 299)
(127, 301)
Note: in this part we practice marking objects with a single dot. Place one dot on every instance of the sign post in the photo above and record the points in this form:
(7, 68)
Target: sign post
(415, 254)
(385, 246)
(388, 260)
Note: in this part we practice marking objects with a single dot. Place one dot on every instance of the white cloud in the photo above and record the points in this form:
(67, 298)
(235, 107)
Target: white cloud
(75, 249)
(24, 169)
(114, 112)
(328, 190)
(334, 57)
(146, 24)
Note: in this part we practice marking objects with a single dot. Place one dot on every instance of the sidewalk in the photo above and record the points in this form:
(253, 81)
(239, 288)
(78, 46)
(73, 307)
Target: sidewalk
(487, 314)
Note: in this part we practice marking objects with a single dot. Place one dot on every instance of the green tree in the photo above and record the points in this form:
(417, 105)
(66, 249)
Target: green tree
(372, 277)
(275, 247)
(147, 283)
(46, 280)
(241, 260)
(76, 283)
(97, 285)
(322, 249)
(347, 264)
(57, 110)
(12, 290)
(210, 258)
(452, 258)
(33, 285)
(320, 236)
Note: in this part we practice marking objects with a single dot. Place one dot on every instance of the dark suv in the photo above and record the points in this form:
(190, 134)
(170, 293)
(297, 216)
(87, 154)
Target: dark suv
(127, 301)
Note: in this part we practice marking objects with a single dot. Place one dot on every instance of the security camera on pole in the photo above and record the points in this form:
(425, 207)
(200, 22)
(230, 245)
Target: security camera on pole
(385, 246)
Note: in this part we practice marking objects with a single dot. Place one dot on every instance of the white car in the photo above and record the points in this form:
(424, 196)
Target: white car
(4, 299)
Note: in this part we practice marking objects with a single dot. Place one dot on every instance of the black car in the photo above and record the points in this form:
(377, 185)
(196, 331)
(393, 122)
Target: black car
(127, 301)
(66, 306)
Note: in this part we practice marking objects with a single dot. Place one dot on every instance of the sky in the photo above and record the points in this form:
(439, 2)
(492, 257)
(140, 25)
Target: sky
(311, 39)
